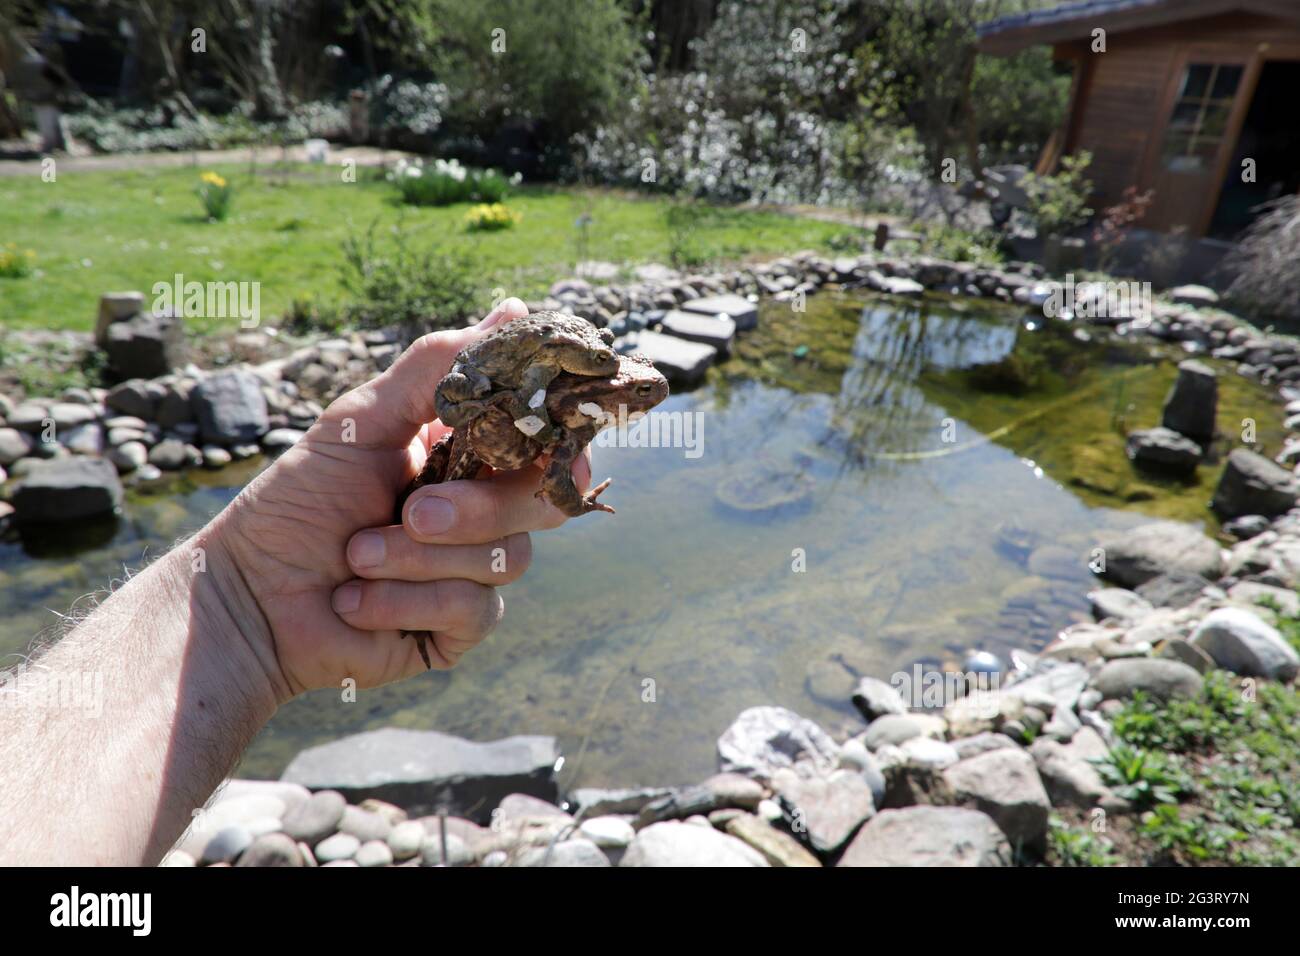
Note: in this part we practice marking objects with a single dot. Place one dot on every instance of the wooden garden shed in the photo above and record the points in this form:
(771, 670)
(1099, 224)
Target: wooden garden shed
(1196, 100)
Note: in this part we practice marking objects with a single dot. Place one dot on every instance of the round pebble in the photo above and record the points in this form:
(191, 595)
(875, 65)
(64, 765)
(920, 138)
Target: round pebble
(770, 810)
(280, 438)
(260, 826)
(316, 818)
(406, 839)
(226, 844)
(215, 457)
(169, 455)
(128, 456)
(240, 452)
(458, 854)
(341, 846)
(364, 825)
(608, 831)
(272, 849)
(374, 853)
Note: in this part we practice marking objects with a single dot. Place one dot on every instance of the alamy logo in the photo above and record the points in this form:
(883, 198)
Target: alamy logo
(649, 429)
(924, 689)
(103, 909)
(42, 689)
(210, 300)
(1098, 300)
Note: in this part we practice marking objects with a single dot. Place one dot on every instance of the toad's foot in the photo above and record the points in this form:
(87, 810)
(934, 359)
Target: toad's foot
(422, 639)
(589, 502)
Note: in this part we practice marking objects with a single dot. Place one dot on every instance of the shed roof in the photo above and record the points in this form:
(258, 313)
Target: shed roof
(1013, 33)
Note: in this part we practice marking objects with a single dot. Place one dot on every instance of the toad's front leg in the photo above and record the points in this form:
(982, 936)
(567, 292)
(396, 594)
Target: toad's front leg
(461, 396)
(527, 404)
(558, 486)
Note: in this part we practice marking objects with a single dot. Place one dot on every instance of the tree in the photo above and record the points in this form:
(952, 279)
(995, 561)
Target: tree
(561, 66)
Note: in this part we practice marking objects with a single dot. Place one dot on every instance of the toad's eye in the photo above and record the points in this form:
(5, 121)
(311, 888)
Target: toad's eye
(644, 388)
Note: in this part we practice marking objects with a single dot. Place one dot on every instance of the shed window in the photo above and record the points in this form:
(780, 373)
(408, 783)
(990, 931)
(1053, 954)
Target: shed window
(1200, 117)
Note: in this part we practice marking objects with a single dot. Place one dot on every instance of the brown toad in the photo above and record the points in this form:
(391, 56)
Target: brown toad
(512, 367)
(581, 406)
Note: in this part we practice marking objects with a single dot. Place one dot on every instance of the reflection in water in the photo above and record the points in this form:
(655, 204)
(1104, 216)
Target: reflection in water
(636, 638)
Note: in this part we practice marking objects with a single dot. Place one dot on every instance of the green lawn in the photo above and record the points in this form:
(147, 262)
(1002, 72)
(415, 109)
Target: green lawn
(109, 230)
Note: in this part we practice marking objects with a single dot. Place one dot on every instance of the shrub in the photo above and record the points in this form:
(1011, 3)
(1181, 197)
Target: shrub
(961, 245)
(490, 217)
(395, 283)
(676, 136)
(1058, 204)
(561, 66)
(16, 263)
(215, 193)
(166, 127)
(1267, 281)
(409, 106)
(1116, 221)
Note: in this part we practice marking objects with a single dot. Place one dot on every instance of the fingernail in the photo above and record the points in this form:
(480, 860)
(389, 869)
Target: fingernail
(432, 515)
(499, 313)
(367, 550)
(493, 317)
(347, 599)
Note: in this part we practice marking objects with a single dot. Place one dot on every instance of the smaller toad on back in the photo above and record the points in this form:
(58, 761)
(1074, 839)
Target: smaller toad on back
(581, 407)
(512, 368)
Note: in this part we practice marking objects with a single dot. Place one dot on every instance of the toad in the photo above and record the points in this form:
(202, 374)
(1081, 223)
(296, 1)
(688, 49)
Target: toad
(512, 368)
(581, 406)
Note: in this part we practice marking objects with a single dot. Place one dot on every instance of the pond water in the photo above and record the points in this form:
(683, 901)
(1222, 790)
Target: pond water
(944, 468)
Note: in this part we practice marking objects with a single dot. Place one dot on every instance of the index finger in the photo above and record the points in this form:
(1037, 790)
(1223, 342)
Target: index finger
(391, 408)
(474, 512)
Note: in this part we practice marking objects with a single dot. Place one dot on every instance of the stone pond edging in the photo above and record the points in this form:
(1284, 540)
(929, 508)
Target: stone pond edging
(268, 392)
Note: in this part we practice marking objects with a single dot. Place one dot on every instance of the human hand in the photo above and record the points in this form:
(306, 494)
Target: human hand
(326, 581)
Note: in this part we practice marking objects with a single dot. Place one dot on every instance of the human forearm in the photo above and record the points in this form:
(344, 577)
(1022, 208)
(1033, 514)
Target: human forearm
(169, 689)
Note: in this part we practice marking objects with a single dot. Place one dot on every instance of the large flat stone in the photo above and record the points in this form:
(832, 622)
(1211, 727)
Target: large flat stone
(424, 771)
(739, 309)
(67, 489)
(718, 331)
(928, 836)
(1164, 679)
(681, 362)
(1135, 556)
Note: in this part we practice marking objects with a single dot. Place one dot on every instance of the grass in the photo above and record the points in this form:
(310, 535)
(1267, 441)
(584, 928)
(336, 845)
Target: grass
(112, 230)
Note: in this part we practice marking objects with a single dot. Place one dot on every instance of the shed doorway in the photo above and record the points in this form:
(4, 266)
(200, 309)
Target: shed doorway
(1271, 137)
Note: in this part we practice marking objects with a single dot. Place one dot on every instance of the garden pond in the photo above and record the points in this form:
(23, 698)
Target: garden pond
(878, 483)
